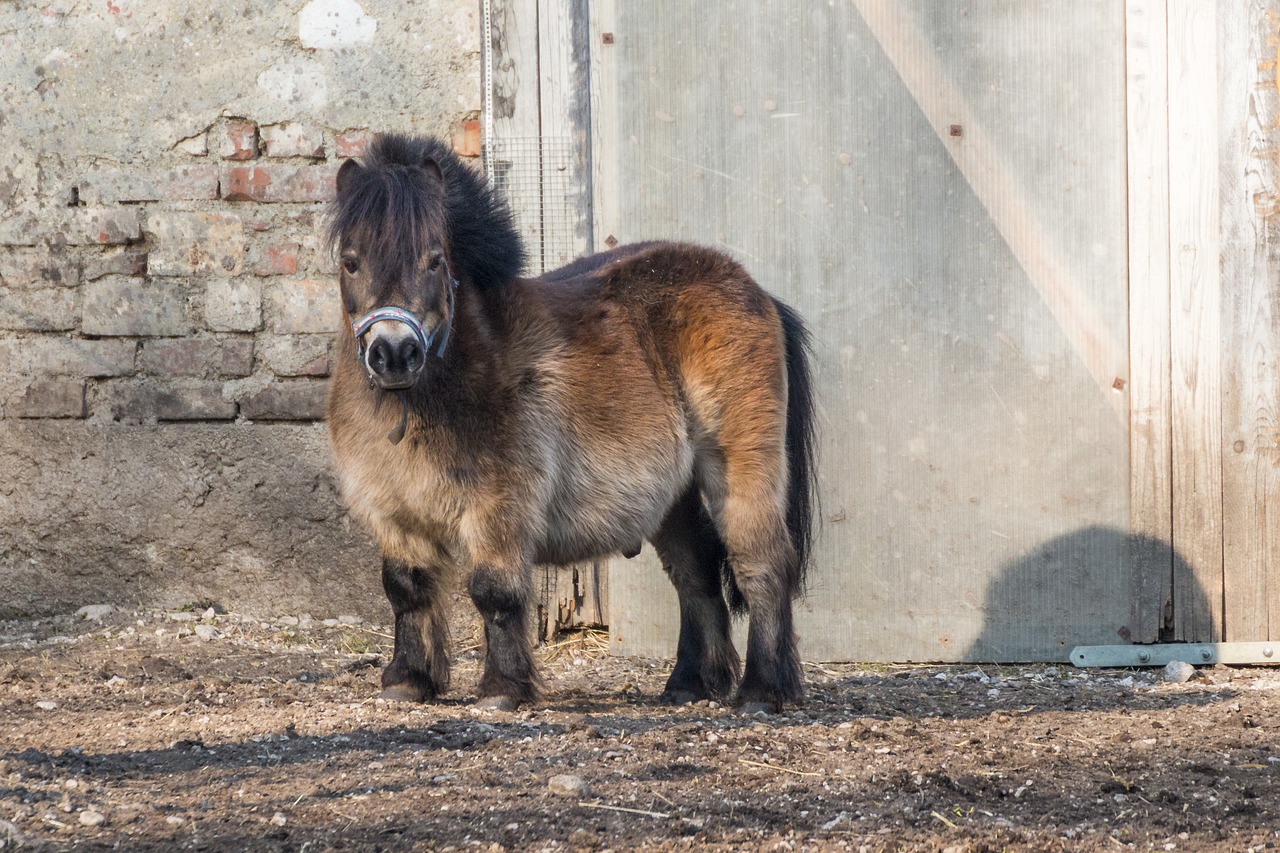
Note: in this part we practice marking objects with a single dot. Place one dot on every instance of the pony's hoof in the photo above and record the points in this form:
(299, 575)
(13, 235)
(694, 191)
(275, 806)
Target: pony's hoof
(748, 709)
(402, 693)
(496, 703)
(678, 697)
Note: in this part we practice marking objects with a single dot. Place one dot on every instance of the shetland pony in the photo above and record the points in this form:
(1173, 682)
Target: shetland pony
(484, 422)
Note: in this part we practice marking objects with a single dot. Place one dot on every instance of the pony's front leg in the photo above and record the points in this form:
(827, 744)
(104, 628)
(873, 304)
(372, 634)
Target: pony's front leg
(419, 668)
(501, 594)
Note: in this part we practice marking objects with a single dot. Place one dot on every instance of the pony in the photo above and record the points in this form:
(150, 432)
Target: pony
(483, 422)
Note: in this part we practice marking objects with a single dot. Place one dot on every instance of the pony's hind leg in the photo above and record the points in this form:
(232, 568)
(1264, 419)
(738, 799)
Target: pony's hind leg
(746, 497)
(419, 667)
(502, 597)
(692, 554)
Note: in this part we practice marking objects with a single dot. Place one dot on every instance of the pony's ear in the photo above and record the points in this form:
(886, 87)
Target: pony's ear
(431, 167)
(346, 174)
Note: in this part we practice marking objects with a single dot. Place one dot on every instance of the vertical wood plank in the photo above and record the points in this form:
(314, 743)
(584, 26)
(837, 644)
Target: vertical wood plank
(1150, 438)
(517, 114)
(1195, 319)
(564, 95)
(605, 161)
(1248, 102)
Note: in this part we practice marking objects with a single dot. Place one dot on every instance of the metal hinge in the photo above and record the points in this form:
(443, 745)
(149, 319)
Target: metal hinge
(1198, 654)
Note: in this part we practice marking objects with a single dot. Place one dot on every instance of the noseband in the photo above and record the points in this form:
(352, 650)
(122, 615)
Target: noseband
(399, 315)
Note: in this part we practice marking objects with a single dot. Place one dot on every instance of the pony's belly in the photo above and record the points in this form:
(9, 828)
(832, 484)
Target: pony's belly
(614, 509)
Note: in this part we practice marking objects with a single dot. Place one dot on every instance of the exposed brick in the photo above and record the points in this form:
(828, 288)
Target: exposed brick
(293, 139)
(46, 310)
(204, 357)
(106, 184)
(51, 398)
(301, 400)
(297, 355)
(115, 262)
(196, 146)
(37, 268)
(238, 140)
(299, 307)
(200, 401)
(282, 184)
(237, 356)
(280, 259)
(58, 356)
(196, 243)
(233, 305)
(134, 307)
(106, 226)
(466, 139)
(352, 143)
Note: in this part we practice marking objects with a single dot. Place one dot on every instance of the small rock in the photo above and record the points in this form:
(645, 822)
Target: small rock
(92, 817)
(207, 632)
(290, 621)
(95, 612)
(47, 705)
(569, 785)
(173, 820)
(1178, 672)
(278, 819)
(182, 616)
(346, 619)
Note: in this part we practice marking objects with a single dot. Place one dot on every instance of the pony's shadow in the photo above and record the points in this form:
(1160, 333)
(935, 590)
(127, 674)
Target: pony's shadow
(1094, 586)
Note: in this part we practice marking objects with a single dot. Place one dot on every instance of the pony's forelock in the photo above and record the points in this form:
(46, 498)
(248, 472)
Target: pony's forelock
(392, 201)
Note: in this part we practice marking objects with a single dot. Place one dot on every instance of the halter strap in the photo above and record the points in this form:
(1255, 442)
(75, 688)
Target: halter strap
(399, 315)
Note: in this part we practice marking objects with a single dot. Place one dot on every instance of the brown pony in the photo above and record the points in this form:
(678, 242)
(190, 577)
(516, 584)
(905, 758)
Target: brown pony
(484, 423)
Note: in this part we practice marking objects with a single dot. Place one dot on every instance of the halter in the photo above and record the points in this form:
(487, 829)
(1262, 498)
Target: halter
(399, 315)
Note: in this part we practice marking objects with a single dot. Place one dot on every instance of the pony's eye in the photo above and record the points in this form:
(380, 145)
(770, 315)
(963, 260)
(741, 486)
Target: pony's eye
(351, 265)
(435, 262)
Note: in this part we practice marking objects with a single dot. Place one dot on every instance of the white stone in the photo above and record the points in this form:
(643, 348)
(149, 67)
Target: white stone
(329, 24)
(95, 612)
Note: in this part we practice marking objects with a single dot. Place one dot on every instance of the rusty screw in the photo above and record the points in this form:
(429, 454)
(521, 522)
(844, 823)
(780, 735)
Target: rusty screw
(607, 38)
(956, 130)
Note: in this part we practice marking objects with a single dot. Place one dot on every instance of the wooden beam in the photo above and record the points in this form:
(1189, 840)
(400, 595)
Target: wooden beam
(1195, 319)
(1150, 432)
(980, 162)
(1249, 101)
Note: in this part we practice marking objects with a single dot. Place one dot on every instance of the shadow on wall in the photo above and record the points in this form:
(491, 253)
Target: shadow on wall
(1095, 586)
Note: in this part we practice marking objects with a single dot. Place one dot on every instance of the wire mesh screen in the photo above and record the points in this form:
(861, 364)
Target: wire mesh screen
(534, 175)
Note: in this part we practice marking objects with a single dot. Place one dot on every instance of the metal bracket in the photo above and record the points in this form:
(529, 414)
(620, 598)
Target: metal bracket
(1198, 654)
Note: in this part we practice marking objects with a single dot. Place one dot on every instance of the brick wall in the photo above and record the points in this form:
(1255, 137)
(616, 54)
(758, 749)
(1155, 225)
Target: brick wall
(167, 302)
(200, 290)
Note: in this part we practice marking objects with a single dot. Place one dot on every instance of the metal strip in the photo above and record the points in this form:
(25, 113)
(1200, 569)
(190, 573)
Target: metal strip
(1198, 654)
(486, 106)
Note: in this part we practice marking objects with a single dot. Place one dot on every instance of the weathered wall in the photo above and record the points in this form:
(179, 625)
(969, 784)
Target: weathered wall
(166, 301)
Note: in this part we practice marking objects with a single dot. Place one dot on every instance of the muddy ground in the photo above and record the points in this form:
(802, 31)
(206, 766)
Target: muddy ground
(205, 731)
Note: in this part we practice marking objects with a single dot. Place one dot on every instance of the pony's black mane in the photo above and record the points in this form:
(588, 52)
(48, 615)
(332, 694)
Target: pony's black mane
(396, 195)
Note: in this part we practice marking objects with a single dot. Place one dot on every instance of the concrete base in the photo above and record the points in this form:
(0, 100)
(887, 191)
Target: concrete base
(245, 515)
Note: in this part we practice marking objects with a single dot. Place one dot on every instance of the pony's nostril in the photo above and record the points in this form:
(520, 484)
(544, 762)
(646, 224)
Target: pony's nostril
(379, 356)
(410, 355)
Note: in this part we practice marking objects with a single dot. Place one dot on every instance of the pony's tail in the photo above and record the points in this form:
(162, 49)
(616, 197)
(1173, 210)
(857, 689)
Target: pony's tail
(802, 493)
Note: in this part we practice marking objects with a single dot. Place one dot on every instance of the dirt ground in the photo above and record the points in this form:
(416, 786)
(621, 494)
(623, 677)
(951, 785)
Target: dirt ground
(206, 731)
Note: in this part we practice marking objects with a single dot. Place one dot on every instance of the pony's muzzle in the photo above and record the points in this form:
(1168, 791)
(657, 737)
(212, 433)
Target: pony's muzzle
(393, 355)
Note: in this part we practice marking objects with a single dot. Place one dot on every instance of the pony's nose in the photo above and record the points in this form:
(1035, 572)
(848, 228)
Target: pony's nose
(394, 362)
